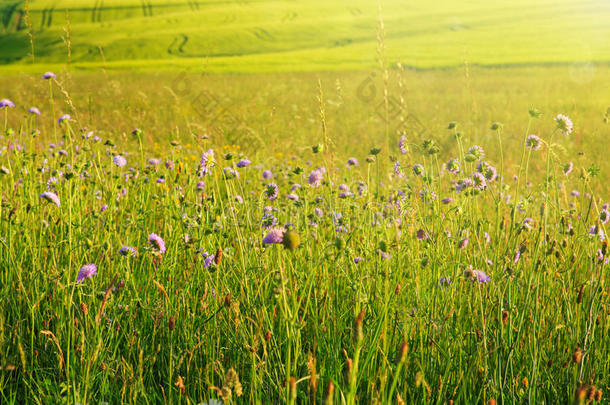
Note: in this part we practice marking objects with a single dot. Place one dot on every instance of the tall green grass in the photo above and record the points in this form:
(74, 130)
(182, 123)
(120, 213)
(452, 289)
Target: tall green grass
(266, 324)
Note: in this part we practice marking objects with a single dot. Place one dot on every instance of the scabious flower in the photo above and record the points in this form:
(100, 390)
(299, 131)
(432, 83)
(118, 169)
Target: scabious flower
(315, 178)
(533, 142)
(445, 282)
(418, 169)
(103, 208)
(476, 275)
(51, 197)
(352, 162)
(239, 199)
(597, 231)
(154, 161)
(267, 174)
(85, 272)
(527, 224)
(453, 166)
(128, 251)
(463, 243)
(517, 256)
(421, 234)
(65, 117)
(119, 160)
(402, 144)
(268, 220)
(157, 242)
(358, 259)
(230, 173)
(206, 163)
(243, 163)
(564, 124)
(463, 184)
(272, 191)
(478, 181)
(208, 259)
(292, 197)
(384, 255)
(274, 236)
(604, 216)
(397, 169)
(6, 103)
(447, 200)
(201, 186)
(567, 168)
(343, 187)
(34, 110)
(49, 75)
(477, 152)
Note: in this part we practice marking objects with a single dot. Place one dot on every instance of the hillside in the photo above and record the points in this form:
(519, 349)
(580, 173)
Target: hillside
(282, 35)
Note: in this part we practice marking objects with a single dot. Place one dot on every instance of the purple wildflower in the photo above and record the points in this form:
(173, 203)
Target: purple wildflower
(206, 163)
(453, 166)
(476, 275)
(564, 124)
(418, 169)
(517, 256)
(478, 181)
(533, 142)
(128, 251)
(276, 235)
(397, 169)
(103, 208)
(272, 191)
(463, 243)
(358, 259)
(402, 144)
(5, 103)
(384, 255)
(477, 152)
(201, 186)
(49, 75)
(87, 271)
(65, 117)
(567, 168)
(208, 259)
(421, 234)
(119, 160)
(157, 242)
(267, 174)
(34, 110)
(243, 163)
(315, 178)
(445, 282)
(51, 197)
(352, 162)
(604, 216)
(447, 200)
(293, 197)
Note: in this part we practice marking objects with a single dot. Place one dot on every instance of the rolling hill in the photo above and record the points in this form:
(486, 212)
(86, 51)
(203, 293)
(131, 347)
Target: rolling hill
(288, 35)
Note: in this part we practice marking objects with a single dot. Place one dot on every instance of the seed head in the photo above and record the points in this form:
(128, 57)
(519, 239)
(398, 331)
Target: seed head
(291, 240)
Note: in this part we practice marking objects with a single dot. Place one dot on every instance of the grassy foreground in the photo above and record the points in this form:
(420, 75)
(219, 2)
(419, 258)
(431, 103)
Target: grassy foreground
(134, 267)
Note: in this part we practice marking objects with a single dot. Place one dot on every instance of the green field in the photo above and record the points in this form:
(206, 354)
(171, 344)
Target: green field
(254, 202)
(265, 35)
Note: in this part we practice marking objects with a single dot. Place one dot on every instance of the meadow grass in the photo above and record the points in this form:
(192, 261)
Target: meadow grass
(391, 285)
